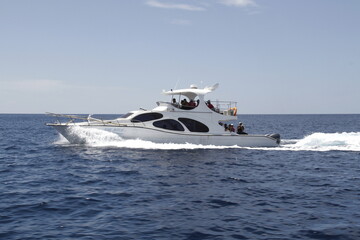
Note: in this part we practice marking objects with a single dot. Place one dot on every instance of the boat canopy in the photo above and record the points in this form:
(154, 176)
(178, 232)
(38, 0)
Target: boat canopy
(192, 92)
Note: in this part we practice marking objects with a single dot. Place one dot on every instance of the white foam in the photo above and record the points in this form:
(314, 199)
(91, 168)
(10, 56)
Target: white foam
(61, 140)
(313, 142)
(325, 142)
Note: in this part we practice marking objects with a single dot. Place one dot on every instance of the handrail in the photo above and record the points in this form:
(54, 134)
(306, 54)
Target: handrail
(90, 120)
(225, 107)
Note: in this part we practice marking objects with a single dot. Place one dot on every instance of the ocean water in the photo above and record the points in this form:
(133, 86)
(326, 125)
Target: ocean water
(308, 188)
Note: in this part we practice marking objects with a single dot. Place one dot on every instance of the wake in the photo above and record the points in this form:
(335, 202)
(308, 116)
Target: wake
(314, 142)
(325, 142)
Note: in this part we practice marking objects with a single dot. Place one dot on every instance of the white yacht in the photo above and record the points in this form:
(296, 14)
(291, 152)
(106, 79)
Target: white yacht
(187, 118)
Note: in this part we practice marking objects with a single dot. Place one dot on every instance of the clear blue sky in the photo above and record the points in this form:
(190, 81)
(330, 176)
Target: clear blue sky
(112, 56)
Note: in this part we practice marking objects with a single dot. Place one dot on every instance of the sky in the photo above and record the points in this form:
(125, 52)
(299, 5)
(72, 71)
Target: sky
(113, 56)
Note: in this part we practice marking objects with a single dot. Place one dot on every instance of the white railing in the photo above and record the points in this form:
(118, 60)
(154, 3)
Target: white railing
(73, 119)
(225, 107)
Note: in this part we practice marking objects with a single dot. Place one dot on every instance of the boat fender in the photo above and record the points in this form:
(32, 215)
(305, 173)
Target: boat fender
(233, 111)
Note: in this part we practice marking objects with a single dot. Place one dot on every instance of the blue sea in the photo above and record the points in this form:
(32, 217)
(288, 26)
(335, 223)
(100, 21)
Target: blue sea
(308, 188)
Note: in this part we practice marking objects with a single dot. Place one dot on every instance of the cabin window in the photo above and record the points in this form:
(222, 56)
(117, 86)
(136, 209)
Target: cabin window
(193, 125)
(145, 117)
(169, 124)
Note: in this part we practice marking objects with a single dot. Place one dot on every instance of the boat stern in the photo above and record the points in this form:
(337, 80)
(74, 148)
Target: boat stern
(275, 136)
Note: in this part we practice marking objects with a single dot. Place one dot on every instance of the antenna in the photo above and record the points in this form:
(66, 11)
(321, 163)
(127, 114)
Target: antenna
(176, 83)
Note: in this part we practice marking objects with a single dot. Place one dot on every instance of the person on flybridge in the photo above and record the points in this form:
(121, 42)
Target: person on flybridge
(208, 103)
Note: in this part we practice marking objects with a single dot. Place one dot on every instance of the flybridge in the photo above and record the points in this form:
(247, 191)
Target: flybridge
(194, 98)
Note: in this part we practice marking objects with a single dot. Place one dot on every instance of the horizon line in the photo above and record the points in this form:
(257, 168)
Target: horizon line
(237, 115)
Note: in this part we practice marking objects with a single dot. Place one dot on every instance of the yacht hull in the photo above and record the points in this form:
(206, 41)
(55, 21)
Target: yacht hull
(79, 134)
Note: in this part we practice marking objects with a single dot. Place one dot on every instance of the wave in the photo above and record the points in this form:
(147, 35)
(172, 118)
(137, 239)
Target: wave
(314, 142)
